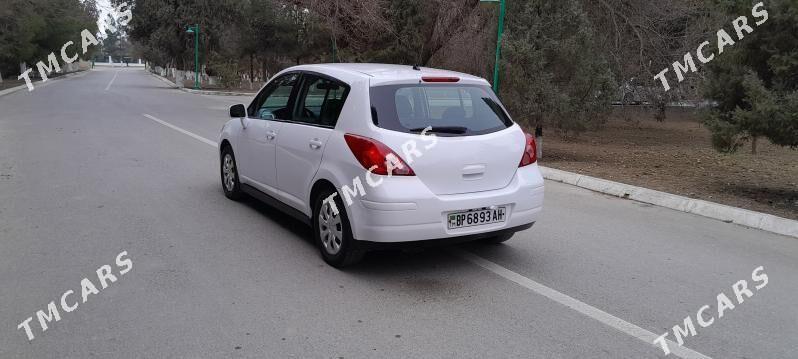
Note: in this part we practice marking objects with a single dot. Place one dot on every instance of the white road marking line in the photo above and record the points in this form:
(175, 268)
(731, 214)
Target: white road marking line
(112, 80)
(178, 129)
(586, 309)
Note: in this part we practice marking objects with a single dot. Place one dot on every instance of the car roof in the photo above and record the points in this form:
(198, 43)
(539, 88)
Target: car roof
(384, 73)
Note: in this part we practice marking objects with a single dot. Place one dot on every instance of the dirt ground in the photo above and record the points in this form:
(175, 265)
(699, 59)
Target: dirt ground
(676, 156)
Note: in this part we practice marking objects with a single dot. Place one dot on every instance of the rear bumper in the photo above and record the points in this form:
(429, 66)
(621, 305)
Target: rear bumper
(369, 245)
(404, 210)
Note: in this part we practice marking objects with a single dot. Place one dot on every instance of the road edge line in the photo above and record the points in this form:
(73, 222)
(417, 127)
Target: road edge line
(574, 304)
(721, 212)
(112, 80)
(178, 129)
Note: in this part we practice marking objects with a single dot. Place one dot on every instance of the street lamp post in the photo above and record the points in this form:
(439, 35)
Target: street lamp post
(500, 32)
(195, 30)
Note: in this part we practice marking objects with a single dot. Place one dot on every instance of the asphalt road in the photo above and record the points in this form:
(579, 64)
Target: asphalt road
(84, 175)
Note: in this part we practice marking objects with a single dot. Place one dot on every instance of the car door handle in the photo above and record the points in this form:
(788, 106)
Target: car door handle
(315, 144)
(270, 135)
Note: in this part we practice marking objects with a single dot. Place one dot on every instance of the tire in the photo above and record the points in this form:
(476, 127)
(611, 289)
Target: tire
(229, 174)
(498, 239)
(332, 233)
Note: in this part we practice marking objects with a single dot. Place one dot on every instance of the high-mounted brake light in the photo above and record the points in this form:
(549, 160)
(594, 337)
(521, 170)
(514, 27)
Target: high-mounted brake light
(370, 153)
(439, 79)
(530, 151)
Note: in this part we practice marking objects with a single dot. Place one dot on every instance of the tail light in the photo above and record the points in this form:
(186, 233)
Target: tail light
(370, 152)
(530, 151)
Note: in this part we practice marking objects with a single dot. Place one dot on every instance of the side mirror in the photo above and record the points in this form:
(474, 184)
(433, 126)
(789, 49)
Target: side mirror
(238, 111)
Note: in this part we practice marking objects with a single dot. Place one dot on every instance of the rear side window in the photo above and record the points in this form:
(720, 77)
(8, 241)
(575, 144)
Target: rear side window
(451, 110)
(320, 101)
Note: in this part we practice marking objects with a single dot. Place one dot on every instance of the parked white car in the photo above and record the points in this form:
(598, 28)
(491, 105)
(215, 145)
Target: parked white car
(318, 135)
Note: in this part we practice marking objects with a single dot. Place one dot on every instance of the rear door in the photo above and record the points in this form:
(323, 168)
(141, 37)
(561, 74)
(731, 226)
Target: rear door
(478, 147)
(302, 139)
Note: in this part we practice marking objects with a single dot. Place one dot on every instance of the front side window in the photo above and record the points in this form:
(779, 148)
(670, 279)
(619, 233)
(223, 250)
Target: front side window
(273, 103)
(320, 101)
(451, 110)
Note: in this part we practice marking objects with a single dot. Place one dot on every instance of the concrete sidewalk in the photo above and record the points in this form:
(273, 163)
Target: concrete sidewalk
(201, 92)
(744, 217)
(38, 83)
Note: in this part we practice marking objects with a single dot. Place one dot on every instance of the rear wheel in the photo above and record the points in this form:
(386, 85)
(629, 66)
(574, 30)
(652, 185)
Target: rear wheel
(333, 233)
(498, 239)
(229, 173)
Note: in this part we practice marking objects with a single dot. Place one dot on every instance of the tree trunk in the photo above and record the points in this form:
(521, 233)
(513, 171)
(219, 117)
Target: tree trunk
(539, 141)
(753, 144)
(264, 70)
(1, 77)
(251, 69)
(660, 115)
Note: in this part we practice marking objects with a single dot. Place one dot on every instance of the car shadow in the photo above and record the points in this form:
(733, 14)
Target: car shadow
(385, 263)
(374, 262)
(285, 221)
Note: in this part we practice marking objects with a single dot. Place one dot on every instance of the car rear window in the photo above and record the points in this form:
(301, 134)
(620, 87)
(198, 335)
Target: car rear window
(450, 109)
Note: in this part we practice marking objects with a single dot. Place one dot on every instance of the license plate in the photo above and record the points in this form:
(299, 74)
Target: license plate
(476, 217)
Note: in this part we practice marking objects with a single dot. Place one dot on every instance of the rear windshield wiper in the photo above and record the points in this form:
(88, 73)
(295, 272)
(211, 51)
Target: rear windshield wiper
(457, 130)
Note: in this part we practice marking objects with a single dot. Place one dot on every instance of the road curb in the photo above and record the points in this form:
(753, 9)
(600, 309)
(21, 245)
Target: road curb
(164, 79)
(9, 91)
(201, 92)
(218, 93)
(729, 214)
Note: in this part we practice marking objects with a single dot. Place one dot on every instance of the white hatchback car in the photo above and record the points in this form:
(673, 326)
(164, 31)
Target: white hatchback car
(371, 155)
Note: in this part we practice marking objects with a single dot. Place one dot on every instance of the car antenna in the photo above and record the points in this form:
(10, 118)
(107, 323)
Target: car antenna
(415, 67)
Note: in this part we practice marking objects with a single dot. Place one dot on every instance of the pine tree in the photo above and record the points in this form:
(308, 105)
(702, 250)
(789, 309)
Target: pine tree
(755, 83)
(553, 71)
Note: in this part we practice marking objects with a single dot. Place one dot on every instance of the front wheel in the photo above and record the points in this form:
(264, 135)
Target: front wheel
(229, 173)
(332, 232)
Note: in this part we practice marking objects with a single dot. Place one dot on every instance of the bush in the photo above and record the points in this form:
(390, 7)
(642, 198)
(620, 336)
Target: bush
(226, 69)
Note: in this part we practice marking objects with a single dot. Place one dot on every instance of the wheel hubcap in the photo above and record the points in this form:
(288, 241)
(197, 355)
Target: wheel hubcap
(330, 229)
(229, 172)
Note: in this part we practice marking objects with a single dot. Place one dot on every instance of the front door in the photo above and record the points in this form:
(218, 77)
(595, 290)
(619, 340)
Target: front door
(266, 116)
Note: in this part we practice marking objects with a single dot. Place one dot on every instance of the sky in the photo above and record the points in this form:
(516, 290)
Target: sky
(104, 8)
